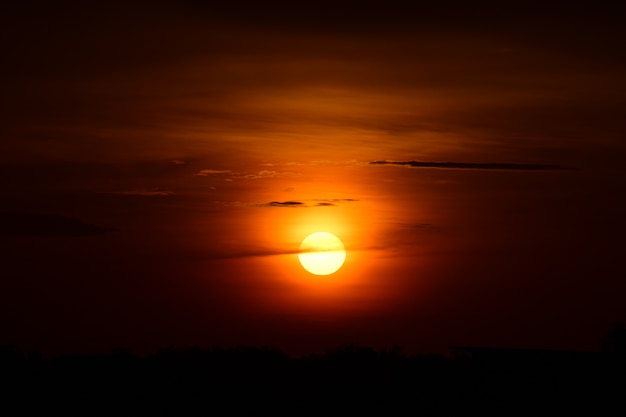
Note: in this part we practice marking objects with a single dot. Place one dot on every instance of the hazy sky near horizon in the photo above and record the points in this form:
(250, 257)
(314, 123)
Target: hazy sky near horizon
(162, 164)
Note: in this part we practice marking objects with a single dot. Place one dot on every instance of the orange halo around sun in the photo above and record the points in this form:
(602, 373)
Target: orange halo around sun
(322, 253)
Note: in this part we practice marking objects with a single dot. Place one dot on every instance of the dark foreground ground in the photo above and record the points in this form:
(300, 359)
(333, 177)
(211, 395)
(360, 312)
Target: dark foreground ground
(344, 381)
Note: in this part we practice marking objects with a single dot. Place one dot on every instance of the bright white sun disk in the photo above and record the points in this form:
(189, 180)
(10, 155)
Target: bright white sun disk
(322, 253)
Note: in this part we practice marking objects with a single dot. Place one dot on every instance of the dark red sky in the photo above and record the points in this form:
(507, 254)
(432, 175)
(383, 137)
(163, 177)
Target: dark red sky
(162, 164)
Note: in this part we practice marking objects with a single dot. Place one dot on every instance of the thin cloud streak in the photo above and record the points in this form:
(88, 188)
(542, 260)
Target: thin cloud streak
(261, 253)
(206, 172)
(251, 254)
(497, 166)
(14, 224)
(143, 193)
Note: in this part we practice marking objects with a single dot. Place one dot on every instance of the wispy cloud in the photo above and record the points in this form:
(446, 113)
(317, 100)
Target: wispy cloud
(338, 200)
(473, 165)
(207, 172)
(156, 192)
(251, 253)
(263, 174)
(243, 174)
(352, 162)
(46, 225)
(420, 226)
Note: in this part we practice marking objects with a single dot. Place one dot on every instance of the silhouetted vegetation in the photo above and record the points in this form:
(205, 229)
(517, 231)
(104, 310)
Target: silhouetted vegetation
(224, 381)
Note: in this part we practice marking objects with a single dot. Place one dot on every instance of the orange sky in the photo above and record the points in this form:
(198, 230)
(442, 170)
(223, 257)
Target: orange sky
(214, 140)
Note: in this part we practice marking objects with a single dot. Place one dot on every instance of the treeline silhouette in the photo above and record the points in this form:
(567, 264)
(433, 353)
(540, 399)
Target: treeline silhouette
(349, 379)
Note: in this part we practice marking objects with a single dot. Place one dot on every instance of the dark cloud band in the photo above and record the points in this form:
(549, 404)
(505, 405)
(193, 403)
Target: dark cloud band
(45, 225)
(284, 204)
(471, 165)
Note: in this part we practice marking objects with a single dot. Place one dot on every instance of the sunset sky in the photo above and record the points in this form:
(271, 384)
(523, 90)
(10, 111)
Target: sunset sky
(161, 165)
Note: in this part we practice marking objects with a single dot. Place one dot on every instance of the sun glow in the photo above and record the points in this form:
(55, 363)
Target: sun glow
(322, 253)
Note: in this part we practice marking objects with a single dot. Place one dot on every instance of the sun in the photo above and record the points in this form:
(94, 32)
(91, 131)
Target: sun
(322, 253)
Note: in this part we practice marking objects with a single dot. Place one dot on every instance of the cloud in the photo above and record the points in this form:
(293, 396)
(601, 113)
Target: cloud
(46, 225)
(178, 162)
(270, 174)
(155, 192)
(207, 172)
(307, 203)
(251, 253)
(338, 200)
(472, 165)
(245, 174)
(420, 226)
(324, 162)
(263, 174)
(283, 204)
